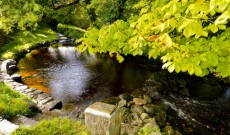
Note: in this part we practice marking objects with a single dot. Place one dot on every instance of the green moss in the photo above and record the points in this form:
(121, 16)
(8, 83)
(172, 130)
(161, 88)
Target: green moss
(12, 103)
(149, 128)
(23, 40)
(55, 126)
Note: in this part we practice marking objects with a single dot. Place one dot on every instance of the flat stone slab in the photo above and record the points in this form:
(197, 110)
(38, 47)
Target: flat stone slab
(7, 127)
(8, 80)
(102, 108)
(21, 88)
(29, 90)
(42, 96)
(54, 104)
(45, 101)
(34, 93)
(24, 121)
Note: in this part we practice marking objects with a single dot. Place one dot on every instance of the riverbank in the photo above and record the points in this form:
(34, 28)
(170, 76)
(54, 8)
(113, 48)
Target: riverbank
(145, 109)
(22, 41)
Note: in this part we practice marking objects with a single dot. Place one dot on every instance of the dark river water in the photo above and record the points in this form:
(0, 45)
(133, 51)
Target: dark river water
(81, 79)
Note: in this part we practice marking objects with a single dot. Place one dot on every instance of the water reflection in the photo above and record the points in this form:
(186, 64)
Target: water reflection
(72, 76)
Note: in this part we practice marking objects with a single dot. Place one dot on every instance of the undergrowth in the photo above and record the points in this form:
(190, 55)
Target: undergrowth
(56, 126)
(24, 40)
(12, 103)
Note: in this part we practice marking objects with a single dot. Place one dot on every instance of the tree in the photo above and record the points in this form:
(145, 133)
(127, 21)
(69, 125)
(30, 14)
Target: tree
(188, 36)
(19, 14)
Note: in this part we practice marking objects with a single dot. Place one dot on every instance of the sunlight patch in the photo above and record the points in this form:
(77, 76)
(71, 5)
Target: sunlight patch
(41, 35)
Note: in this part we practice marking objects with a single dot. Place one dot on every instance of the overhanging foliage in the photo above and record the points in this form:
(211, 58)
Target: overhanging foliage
(187, 35)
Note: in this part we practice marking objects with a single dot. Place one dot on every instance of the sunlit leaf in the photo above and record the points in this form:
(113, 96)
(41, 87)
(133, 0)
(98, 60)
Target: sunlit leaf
(191, 69)
(222, 19)
(198, 71)
(120, 58)
(171, 68)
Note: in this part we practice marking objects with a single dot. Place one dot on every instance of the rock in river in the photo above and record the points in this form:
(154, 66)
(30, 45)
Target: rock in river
(139, 101)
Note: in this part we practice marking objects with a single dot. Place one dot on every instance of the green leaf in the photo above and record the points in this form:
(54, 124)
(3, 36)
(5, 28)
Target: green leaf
(184, 67)
(198, 71)
(137, 51)
(166, 65)
(36, 8)
(191, 69)
(222, 19)
(222, 27)
(214, 59)
(120, 58)
(212, 13)
(90, 49)
(153, 53)
(213, 28)
(222, 7)
(171, 68)
(189, 31)
(224, 69)
(184, 24)
(177, 68)
(212, 4)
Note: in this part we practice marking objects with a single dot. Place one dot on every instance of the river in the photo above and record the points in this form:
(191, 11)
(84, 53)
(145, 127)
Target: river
(82, 78)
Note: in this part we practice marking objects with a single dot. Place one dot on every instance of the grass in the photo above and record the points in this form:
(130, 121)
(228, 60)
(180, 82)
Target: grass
(12, 103)
(24, 40)
(71, 31)
(56, 126)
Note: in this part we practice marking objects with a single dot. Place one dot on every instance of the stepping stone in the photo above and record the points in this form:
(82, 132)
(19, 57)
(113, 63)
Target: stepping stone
(42, 96)
(24, 121)
(5, 64)
(21, 88)
(34, 93)
(60, 35)
(7, 127)
(16, 77)
(29, 90)
(45, 100)
(54, 104)
(64, 38)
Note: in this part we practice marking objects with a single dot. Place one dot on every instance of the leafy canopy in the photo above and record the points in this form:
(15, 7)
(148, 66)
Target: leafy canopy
(19, 14)
(187, 35)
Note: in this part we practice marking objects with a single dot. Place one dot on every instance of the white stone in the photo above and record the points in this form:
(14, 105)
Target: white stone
(103, 119)
(5, 64)
(64, 38)
(60, 35)
(7, 127)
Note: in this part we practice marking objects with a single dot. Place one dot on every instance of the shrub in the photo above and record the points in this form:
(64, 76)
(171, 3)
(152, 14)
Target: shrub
(12, 103)
(56, 126)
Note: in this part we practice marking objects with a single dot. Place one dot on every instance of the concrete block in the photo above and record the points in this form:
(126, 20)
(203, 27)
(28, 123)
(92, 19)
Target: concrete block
(103, 119)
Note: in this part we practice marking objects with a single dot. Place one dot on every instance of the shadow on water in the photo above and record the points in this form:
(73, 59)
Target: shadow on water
(197, 105)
